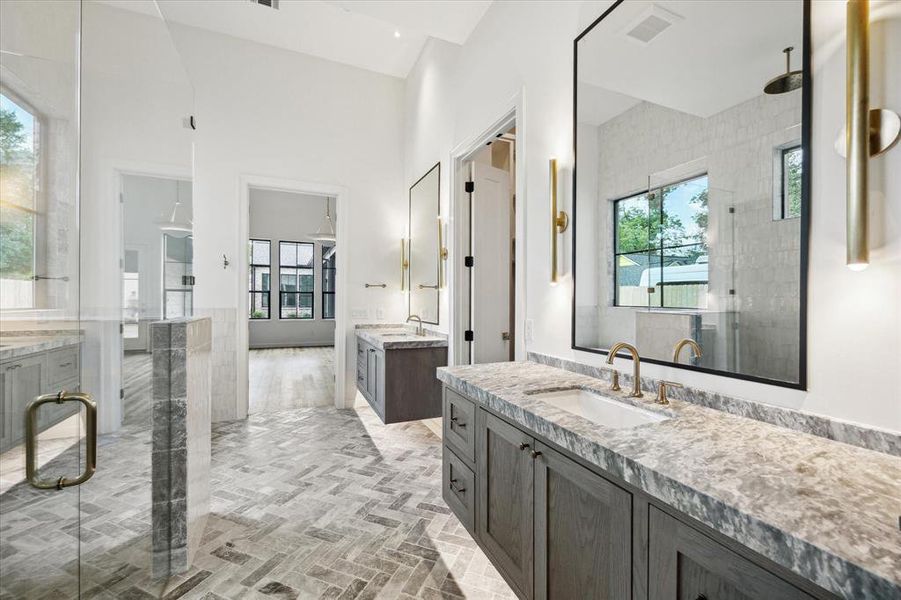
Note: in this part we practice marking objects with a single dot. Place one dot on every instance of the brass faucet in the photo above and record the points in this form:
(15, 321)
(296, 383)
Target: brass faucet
(686, 342)
(636, 368)
(419, 329)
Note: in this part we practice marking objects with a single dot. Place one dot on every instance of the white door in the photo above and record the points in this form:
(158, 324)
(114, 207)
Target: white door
(490, 225)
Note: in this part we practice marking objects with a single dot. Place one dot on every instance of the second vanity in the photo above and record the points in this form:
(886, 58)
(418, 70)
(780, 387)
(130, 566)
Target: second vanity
(574, 491)
(396, 371)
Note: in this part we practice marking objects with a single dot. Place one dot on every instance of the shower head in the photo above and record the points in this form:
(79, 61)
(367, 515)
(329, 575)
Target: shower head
(788, 82)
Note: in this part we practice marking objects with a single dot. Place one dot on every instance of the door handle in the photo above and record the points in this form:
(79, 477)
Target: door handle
(31, 439)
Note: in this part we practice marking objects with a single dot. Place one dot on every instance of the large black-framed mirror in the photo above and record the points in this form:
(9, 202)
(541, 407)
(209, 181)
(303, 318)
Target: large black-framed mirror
(692, 185)
(424, 249)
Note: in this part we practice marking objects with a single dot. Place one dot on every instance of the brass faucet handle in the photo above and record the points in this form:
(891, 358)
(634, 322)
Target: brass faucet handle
(614, 380)
(661, 391)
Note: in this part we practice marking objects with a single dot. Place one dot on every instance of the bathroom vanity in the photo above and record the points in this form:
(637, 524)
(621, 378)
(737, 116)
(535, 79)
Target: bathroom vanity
(396, 371)
(31, 366)
(574, 491)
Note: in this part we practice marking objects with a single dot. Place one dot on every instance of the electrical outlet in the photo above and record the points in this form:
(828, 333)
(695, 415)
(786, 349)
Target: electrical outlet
(359, 313)
(380, 313)
(530, 329)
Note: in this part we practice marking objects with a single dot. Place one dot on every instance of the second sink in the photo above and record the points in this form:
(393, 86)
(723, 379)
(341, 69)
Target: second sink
(598, 409)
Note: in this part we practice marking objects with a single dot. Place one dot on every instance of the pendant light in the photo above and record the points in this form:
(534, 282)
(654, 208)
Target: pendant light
(326, 231)
(172, 223)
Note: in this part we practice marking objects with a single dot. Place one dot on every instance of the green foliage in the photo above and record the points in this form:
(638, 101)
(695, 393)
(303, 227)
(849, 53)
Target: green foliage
(701, 216)
(793, 169)
(16, 190)
(643, 227)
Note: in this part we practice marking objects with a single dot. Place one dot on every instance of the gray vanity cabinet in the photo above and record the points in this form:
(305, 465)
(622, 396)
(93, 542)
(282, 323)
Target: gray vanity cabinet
(399, 383)
(583, 532)
(506, 498)
(685, 564)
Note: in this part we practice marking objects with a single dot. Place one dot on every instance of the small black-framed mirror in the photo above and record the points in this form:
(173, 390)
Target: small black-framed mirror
(425, 246)
(692, 185)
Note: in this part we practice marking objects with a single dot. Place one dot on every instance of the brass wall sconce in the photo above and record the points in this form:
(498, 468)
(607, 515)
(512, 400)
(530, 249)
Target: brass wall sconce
(404, 264)
(559, 220)
(869, 132)
(442, 257)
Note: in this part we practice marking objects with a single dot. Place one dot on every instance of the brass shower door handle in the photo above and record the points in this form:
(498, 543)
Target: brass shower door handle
(31, 439)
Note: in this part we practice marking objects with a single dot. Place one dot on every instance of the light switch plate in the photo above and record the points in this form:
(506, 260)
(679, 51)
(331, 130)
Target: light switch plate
(359, 313)
(530, 329)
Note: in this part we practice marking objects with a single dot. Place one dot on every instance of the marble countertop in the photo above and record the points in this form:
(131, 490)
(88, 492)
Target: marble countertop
(12, 347)
(394, 337)
(826, 510)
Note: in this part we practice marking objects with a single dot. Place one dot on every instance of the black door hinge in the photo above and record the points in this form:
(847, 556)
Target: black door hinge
(121, 393)
(469, 261)
(121, 328)
(468, 335)
(470, 187)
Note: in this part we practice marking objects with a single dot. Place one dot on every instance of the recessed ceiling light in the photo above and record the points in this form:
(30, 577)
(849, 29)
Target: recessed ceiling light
(397, 33)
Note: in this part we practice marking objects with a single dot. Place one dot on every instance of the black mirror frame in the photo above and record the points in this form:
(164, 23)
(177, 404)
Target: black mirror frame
(437, 165)
(806, 107)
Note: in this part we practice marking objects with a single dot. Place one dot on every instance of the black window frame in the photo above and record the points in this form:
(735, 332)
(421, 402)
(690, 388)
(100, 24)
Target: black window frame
(298, 294)
(334, 271)
(661, 250)
(267, 294)
(783, 199)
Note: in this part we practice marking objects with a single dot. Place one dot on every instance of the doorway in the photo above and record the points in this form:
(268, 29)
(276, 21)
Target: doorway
(293, 262)
(487, 205)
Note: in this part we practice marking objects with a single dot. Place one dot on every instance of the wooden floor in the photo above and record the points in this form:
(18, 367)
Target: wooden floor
(287, 378)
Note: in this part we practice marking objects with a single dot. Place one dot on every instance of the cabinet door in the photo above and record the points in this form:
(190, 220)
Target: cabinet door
(6, 406)
(583, 532)
(506, 501)
(685, 564)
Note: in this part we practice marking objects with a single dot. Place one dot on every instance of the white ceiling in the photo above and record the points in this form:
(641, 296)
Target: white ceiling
(718, 55)
(360, 33)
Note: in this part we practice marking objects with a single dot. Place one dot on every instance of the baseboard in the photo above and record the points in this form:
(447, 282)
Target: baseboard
(297, 345)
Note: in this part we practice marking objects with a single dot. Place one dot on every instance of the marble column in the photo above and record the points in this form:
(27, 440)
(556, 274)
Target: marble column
(181, 440)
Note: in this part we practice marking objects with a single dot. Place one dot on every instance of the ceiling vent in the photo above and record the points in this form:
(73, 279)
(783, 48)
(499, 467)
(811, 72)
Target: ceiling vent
(651, 23)
(269, 3)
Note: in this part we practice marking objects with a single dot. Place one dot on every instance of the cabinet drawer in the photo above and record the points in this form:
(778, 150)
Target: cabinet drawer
(62, 365)
(459, 423)
(459, 489)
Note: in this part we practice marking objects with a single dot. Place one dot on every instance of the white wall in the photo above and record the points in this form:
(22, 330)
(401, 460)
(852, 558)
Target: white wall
(284, 216)
(854, 321)
(272, 113)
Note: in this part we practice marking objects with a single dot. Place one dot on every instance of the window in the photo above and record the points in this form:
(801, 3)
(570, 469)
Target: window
(790, 167)
(20, 187)
(178, 295)
(329, 269)
(660, 236)
(258, 256)
(296, 284)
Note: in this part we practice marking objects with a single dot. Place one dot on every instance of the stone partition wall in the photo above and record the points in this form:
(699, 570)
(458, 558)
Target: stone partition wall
(182, 385)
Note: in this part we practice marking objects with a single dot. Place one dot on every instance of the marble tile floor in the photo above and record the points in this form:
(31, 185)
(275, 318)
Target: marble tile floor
(307, 503)
(285, 378)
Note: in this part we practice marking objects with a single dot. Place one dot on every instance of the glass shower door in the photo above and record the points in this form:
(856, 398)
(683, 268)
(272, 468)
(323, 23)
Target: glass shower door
(42, 458)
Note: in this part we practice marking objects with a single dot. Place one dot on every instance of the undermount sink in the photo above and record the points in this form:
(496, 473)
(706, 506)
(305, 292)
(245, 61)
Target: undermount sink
(600, 410)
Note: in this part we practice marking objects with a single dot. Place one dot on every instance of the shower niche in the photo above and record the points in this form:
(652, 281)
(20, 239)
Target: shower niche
(691, 185)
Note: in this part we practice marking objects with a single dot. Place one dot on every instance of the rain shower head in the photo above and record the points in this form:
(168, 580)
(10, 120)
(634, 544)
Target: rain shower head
(788, 82)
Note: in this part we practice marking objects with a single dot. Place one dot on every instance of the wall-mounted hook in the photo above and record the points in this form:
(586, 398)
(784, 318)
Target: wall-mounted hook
(225, 262)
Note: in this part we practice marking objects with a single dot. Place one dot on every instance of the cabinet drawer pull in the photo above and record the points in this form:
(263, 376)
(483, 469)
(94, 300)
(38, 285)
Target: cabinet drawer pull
(68, 364)
(523, 446)
(457, 422)
(535, 453)
(455, 488)
(701, 597)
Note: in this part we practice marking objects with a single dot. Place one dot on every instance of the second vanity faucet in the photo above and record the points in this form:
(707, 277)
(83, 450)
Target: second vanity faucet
(636, 368)
(419, 329)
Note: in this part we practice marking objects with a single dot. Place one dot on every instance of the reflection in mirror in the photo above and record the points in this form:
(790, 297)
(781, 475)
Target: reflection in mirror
(690, 194)
(425, 211)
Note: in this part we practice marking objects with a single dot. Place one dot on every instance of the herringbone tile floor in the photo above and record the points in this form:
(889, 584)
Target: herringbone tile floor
(307, 503)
